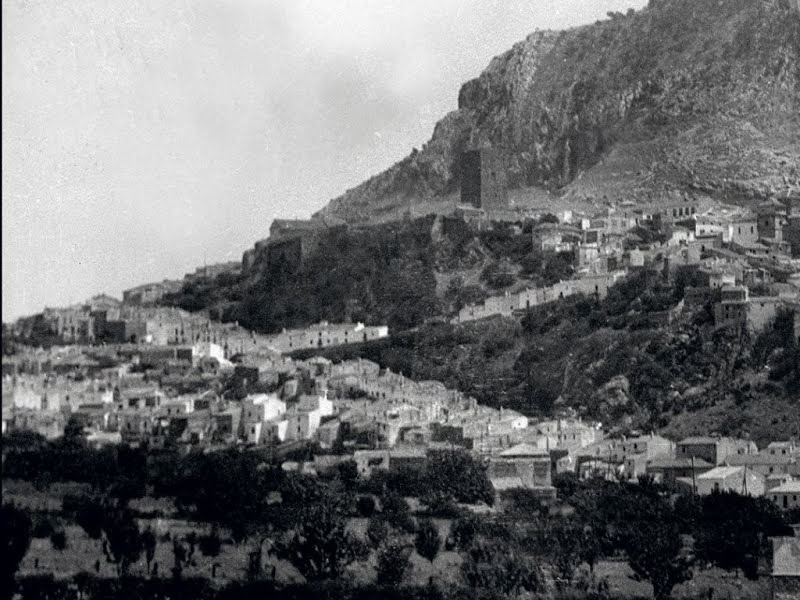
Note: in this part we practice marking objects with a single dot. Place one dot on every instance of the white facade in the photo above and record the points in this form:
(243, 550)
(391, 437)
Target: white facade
(786, 496)
(262, 407)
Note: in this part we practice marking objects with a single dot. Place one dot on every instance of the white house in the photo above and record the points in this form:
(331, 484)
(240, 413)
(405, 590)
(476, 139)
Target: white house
(787, 495)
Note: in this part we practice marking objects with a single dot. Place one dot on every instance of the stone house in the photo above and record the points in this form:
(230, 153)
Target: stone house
(741, 480)
(713, 449)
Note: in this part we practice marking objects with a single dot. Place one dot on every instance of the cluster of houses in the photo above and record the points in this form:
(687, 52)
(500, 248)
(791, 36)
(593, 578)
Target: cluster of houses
(103, 319)
(743, 258)
(184, 396)
(701, 465)
(509, 304)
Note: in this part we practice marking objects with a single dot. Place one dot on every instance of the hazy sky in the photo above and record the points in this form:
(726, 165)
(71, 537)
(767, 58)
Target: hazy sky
(142, 138)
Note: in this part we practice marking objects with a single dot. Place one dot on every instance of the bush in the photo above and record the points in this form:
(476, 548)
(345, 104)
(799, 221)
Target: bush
(462, 531)
(377, 532)
(397, 514)
(442, 505)
(58, 539)
(43, 528)
(365, 506)
(393, 563)
(210, 543)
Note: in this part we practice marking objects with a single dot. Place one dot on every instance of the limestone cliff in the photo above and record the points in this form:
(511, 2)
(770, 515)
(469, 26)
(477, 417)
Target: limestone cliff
(685, 96)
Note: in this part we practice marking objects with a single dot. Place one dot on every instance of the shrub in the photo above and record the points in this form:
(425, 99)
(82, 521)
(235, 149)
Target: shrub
(43, 528)
(210, 543)
(58, 539)
(377, 532)
(393, 563)
(365, 506)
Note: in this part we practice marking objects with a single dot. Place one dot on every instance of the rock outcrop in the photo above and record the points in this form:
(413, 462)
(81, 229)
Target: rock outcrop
(696, 97)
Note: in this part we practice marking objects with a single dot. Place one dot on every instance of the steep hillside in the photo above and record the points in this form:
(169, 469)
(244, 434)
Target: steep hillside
(397, 274)
(609, 361)
(683, 97)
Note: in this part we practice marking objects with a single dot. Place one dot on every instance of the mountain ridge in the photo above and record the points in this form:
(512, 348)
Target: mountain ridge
(689, 97)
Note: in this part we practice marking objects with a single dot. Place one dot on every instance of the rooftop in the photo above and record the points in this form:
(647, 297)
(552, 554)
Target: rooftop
(791, 487)
(679, 463)
(523, 450)
(721, 473)
(759, 459)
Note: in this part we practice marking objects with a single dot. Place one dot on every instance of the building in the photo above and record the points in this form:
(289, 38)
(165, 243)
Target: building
(732, 224)
(554, 237)
(207, 272)
(156, 357)
(150, 293)
(787, 495)
(785, 448)
(138, 398)
(771, 222)
(737, 309)
(596, 285)
(785, 571)
(764, 462)
(732, 309)
(713, 449)
(741, 480)
(524, 463)
(260, 415)
(668, 470)
(324, 334)
(483, 179)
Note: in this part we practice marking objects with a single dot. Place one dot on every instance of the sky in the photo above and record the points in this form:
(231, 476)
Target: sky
(142, 139)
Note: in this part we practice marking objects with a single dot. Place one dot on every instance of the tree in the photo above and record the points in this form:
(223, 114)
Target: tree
(320, 545)
(348, 474)
(73, 439)
(58, 539)
(427, 540)
(377, 532)
(460, 475)
(463, 531)
(392, 563)
(17, 529)
(210, 544)
(88, 514)
(498, 566)
(149, 544)
(122, 540)
(564, 549)
(179, 554)
(394, 509)
(655, 553)
(365, 506)
(733, 531)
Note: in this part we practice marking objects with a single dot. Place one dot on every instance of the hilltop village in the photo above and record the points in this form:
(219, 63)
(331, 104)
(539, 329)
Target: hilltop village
(135, 373)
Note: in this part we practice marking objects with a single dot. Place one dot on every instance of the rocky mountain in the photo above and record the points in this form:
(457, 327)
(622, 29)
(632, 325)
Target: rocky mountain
(685, 97)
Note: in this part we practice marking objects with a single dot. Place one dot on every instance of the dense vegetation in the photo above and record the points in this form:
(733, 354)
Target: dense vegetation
(526, 546)
(613, 360)
(377, 275)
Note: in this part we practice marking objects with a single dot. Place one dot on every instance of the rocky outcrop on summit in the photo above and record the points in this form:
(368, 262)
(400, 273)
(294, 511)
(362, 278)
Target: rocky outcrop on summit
(689, 96)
